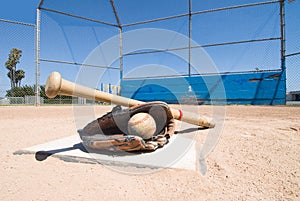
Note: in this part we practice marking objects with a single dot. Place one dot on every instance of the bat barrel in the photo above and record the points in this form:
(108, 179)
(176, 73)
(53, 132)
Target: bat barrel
(55, 85)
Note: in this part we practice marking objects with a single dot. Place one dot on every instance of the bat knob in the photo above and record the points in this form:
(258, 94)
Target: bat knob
(53, 85)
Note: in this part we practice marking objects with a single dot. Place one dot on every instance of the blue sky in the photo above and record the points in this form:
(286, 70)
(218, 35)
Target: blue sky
(67, 39)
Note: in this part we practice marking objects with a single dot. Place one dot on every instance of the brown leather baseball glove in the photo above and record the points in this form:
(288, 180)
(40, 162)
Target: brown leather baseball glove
(110, 132)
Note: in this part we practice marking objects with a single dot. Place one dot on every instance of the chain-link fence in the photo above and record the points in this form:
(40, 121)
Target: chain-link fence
(17, 58)
(293, 52)
(293, 77)
(239, 37)
(20, 38)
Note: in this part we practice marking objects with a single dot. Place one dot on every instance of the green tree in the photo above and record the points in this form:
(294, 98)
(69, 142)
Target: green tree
(14, 75)
(20, 74)
(21, 91)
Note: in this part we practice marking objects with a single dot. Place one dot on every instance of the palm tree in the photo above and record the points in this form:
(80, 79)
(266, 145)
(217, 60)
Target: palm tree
(20, 74)
(11, 64)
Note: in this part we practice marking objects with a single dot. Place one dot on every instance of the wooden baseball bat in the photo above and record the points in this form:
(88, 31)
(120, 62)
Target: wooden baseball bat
(55, 85)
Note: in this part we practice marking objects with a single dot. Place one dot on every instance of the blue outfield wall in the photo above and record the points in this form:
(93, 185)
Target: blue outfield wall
(255, 88)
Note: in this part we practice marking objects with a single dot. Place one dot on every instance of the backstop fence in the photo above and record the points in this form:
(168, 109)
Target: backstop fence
(248, 44)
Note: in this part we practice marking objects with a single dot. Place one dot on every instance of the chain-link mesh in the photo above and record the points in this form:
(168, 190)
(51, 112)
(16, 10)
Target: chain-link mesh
(238, 37)
(17, 80)
(293, 73)
(293, 51)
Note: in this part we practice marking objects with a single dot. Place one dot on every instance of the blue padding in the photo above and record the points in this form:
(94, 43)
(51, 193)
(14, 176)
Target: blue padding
(256, 88)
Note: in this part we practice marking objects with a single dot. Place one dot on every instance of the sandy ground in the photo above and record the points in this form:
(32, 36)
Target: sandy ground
(256, 158)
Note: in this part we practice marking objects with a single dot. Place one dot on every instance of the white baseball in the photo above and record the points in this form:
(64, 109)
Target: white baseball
(142, 125)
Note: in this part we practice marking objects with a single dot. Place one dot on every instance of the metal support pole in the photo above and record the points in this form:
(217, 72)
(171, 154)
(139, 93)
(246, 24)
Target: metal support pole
(120, 40)
(37, 58)
(190, 36)
(282, 34)
(282, 39)
(120, 56)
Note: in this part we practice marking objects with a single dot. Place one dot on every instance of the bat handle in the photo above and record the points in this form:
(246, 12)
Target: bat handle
(193, 118)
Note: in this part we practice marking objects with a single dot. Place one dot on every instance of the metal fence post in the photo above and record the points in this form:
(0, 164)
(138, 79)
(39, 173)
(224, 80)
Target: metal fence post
(282, 34)
(37, 58)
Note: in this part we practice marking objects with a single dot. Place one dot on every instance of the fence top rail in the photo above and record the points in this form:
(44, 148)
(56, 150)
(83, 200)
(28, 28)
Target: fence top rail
(203, 74)
(77, 64)
(158, 19)
(235, 7)
(202, 12)
(17, 22)
(292, 54)
(77, 16)
(203, 46)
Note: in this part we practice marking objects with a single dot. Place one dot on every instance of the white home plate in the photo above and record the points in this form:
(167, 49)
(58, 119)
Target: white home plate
(180, 152)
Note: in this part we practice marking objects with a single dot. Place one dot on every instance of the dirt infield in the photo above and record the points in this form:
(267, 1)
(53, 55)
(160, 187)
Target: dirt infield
(256, 158)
